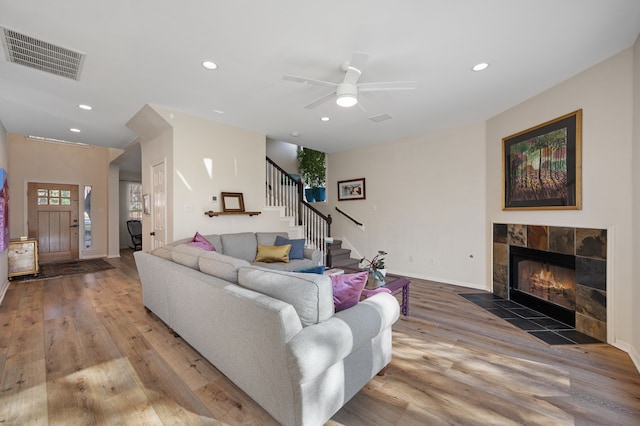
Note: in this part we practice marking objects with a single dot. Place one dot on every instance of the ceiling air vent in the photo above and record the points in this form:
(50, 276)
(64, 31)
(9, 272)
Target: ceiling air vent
(33, 53)
(379, 118)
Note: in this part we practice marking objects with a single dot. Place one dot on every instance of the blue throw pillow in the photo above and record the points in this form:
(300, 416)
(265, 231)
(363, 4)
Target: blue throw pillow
(297, 246)
(314, 270)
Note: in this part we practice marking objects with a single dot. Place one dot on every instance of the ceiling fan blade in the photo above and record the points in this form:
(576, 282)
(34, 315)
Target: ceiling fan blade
(386, 85)
(355, 67)
(323, 99)
(362, 103)
(305, 80)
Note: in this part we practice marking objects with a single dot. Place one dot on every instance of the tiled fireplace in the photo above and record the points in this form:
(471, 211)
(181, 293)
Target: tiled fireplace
(585, 248)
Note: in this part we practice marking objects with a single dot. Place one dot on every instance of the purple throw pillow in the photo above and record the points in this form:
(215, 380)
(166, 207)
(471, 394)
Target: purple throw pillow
(347, 289)
(201, 242)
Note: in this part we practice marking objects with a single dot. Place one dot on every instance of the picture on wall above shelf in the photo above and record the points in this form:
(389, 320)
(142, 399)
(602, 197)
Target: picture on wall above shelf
(232, 202)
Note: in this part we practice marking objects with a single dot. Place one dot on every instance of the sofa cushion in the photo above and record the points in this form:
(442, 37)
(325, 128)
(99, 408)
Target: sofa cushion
(221, 266)
(163, 252)
(269, 254)
(292, 266)
(311, 295)
(269, 238)
(347, 289)
(242, 245)
(297, 246)
(201, 242)
(187, 255)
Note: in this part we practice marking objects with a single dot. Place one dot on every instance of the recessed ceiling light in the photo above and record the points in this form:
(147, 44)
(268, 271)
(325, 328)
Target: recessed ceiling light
(481, 66)
(294, 134)
(210, 65)
(325, 119)
(85, 107)
(74, 130)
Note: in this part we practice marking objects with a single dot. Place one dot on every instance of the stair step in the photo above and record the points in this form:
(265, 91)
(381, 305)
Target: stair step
(340, 252)
(348, 262)
(335, 246)
(334, 259)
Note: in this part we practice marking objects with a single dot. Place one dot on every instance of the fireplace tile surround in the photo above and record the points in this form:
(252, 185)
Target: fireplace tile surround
(587, 244)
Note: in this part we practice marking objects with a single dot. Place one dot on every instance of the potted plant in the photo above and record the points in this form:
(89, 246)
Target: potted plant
(313, 170)
(376, 268)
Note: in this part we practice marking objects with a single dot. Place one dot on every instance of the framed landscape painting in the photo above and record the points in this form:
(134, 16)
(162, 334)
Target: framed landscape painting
(542, 166)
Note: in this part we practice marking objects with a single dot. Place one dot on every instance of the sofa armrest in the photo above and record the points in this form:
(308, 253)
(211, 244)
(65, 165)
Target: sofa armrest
(314, 254)
(319, 346)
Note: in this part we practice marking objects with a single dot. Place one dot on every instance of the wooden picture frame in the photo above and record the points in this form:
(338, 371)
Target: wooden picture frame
(353, 189)
(542, 166)
(232, 201)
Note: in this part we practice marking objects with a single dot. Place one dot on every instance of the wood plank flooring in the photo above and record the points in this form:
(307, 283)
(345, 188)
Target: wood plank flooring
(81, 350)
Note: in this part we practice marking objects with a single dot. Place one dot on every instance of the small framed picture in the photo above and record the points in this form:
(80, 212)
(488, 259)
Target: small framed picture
(232, 202)
(146, 206)
(353, 189)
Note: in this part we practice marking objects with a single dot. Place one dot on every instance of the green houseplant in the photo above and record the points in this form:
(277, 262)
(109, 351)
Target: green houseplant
(313, 170)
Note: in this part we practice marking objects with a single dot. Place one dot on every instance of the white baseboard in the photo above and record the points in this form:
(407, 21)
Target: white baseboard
(633, 354)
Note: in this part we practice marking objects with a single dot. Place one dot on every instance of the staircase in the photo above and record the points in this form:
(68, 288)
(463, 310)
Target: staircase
(339, 257)
(283, 190)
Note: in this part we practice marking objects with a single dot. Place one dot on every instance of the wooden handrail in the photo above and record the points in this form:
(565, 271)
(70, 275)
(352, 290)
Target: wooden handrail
(349, 217)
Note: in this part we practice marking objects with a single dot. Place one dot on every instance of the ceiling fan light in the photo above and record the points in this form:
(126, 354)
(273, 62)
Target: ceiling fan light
(346, 100)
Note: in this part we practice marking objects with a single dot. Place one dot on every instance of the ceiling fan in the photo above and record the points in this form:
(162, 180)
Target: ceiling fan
(346, 93)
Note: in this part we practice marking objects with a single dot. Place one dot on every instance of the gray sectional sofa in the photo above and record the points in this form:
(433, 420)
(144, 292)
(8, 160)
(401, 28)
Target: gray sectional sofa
(274, 333)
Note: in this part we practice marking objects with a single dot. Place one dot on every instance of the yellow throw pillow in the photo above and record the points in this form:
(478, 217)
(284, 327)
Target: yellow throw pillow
(271, 254)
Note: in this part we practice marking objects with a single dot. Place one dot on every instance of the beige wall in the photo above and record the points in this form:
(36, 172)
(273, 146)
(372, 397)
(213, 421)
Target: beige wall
(424, 204)
(284, 154)
(635, 161)
(35, 161)
(4, 163)
(605, 95)
(187, 144)
(237, 159)
(433, 197)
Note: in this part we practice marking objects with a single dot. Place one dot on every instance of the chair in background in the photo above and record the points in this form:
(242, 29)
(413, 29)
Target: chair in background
(135, 230)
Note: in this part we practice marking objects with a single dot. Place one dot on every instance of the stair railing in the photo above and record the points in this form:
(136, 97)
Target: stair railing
(349, 217)
(286, 191)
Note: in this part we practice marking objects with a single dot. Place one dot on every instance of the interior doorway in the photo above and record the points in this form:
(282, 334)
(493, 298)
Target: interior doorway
(53, 220)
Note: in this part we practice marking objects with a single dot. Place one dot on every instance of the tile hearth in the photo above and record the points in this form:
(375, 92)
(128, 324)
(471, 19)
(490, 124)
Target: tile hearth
(547, 329)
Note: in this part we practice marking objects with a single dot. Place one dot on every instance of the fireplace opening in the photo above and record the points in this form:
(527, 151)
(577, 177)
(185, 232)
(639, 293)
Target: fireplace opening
(544, 282)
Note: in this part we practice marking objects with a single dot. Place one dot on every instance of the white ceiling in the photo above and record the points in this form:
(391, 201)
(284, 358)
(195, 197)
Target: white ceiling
(150, 51)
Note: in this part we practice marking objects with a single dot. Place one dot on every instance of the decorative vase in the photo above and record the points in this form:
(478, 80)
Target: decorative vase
(320, 194)
(309, 195)
(373, 282)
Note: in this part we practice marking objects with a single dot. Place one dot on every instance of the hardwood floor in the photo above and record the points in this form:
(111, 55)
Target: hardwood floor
(82, 350)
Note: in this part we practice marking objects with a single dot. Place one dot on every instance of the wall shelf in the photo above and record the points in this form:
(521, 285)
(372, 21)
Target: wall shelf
(212, 213)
